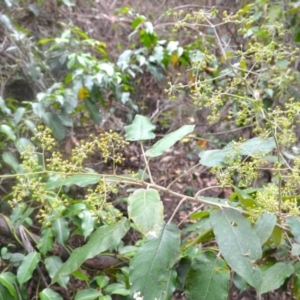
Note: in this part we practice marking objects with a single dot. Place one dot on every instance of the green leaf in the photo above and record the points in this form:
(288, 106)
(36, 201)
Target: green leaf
(274, 277)
(296, 285)
(55, 124)
(8, 280)
(257, 146)
(146, 210)
(88, 222)
(22, 144)
(7, 130)
(169, 140)
(102, 281)
(264, 226)
(19, 114)
(208, 278)
(82, 180)
(38, 109)
(49, 294)
(93, 110)
(214, 158)
(117, 289)
(4, 293)
(27, 267)
(140, 129)
(238, 244)
(46, 242)
(294, 223)
(3, 107)
(61, 230)
(10, 159)
(103, 238)
(151, 275)
(87, 294)
(52, 264)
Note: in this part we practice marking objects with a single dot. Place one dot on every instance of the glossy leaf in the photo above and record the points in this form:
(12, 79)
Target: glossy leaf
(52, 264)
(151, 275)
(87, 294)
(238, 243)
(46, 242)
(264, 226)
(169, 140)
(8, 280)
(49, 294)
(103, 238)
(61, 230)
(140, 129)
(257, 146)
(146, 210)
(208, 278)
(87, 222)
(274, 277)
(27, 267)
(7, 130)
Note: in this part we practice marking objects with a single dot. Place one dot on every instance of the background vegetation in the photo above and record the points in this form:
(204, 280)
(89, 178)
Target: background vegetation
(149, 152)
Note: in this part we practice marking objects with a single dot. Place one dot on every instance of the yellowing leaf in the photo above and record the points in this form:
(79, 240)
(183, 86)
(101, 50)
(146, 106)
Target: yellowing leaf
(174, 58)
(83, 93)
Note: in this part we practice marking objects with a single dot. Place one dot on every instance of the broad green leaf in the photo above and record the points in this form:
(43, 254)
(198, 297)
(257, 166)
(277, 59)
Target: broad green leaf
(27, 267)
(294, 223)
(151, 275)
(257, 146)
(264, 226)
(169, 140)
(140, 129)
(55, 124)
(10, 159)
(52, 264)
(61, 230)
(274, 277)
(22, 144)
(7, 130)
(3, 107)
(8, 280)
(49, 294)
(46, 242)
(276, 236)
(19, 114)
(244, 198)
(88, 222)
(103, 238)
(102, 281)
(87, 294)
(93, 110)
(238, 243)
(4, 293)
(117, 289)
(38, 109)
(81, 180)
(146, 210)
(295, 249)
(214, 158)
(208, 278)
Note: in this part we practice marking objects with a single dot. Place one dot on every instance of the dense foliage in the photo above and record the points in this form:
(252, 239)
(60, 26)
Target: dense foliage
(69, 218)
